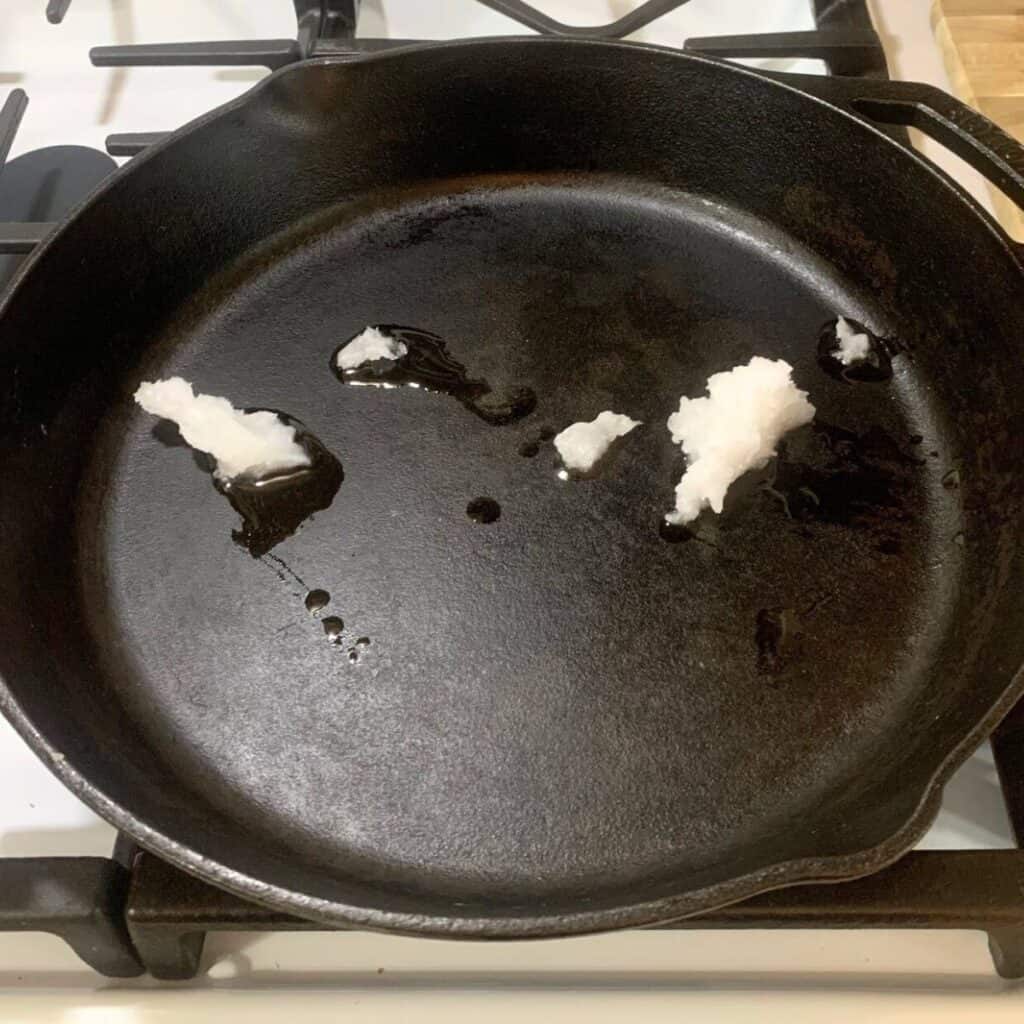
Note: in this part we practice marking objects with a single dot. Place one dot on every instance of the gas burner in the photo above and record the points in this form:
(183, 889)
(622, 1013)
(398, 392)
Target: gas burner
(40, 188)
(844, 38)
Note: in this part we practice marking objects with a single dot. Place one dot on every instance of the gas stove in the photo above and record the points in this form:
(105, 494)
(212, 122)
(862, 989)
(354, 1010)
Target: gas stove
(124, 912)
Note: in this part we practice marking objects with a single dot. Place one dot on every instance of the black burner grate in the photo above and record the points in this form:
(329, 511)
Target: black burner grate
(134, 913)
(18, 237)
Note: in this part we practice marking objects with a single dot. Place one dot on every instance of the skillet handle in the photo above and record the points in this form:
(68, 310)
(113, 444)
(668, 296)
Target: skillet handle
(979, 142)
(960, 128)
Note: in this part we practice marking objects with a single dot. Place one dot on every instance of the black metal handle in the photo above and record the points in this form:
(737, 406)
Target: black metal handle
(961, 129)
(979, 142)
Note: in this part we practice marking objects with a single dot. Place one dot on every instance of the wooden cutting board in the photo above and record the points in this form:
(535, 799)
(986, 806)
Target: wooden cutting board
(982, 43)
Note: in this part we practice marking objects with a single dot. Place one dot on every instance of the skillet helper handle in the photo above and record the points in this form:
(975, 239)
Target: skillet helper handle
(979, 142)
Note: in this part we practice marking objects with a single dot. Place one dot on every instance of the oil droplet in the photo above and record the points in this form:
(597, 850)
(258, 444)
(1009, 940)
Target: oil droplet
(427, 364)
(333, 627)
(355, 651)
(317, 601)
(483, 510)
(674, 533)
(951, 481)
(273, 508)
(874, 368)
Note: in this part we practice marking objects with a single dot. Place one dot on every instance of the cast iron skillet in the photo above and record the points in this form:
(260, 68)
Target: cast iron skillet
(562, 723)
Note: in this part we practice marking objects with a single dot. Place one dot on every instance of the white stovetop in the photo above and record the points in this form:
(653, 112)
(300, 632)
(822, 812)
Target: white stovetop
(784, 976)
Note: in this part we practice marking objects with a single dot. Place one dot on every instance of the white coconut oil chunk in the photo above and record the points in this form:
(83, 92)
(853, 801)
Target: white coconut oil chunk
(852, 346)
(736, 428)
(249, 444)
(582, 445)
(369, 346)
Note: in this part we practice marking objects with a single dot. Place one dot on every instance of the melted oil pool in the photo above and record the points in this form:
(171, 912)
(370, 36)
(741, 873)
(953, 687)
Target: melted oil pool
(875, 368)
(273, 508)
(427, 365)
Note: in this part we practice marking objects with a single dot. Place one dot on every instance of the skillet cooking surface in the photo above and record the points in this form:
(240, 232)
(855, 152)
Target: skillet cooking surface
(560, 702)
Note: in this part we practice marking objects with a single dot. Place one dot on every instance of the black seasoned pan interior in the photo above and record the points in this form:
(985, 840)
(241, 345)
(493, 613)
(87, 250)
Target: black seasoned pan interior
(562, 721)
